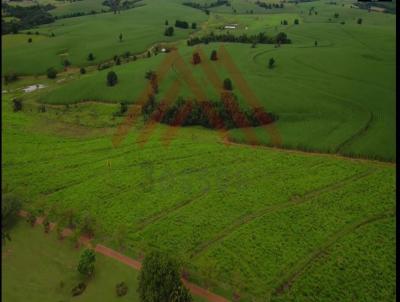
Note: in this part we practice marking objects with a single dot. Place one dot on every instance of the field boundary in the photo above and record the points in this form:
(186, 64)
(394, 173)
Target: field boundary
(135, 264)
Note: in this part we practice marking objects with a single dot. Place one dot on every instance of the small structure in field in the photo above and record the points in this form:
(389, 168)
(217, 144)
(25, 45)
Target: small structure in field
(230, 26)
(377, 9)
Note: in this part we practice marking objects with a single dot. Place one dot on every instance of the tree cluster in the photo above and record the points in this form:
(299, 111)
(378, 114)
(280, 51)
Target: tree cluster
(269, 5)
(181, 24)
(28, 17)
(262, 38)
(225, 114)
(205, 7)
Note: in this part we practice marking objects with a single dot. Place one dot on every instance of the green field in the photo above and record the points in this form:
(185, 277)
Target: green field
(35, 264)
(312, 220)
(196, 198)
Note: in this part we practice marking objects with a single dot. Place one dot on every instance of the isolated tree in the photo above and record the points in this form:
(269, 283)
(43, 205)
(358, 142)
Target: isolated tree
(10, 77)
(53, 35)
(159, 279)
(296, 21)
(316, 43)
(148, 54)
(359, 21)
(86, 263)
(66, 63)
(196, 58)
(82, 70)
(123, 109)
(228, 84)
(10, 206)
(112, 78)
(17, 105)
(90, 57)
(169, 31)
(213, 56)
(30, 40)
(120, 37)
(194, 25)
(51, 73)
(118, 61)
(271, 63)
(166, 22)
(336, 15)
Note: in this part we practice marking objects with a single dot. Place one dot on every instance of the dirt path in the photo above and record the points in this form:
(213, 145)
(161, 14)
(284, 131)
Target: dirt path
(110, 253)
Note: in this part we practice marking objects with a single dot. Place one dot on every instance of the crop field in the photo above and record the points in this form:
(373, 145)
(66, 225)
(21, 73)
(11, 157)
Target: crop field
(312, 219)
(198, 198)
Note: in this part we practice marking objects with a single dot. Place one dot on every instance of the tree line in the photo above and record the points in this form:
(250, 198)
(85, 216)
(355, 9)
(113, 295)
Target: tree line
(262, 38)
(269, 5)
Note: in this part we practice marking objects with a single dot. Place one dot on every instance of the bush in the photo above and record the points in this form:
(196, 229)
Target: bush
(271, 63)
(196, 58)
(51, 73)
(169, 31)
(86, 263)
(296, 21)
(112, 78)
(79, 289)
(213, 56)
(30, 40)
(17, 105)
(10, 77)
(82, 70)
(227, 84)
(359, 21)
(90, 57)
(10, 206)
(121, 289)
(66, 63)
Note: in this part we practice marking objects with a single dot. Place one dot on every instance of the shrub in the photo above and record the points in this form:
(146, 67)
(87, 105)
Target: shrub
(194, 25)
(214, 56)
(42, 108)
(169, 31)
(271, 63)
(121, 289)
(118, 61)
(296, 21)
(30, 40)
(66, 63)
(112, 78)
(82, 70)
(124, 108)
(227, 84)
(86, 263)
(196, 58)
(17, 105)
(10, 77)
(10, 206)
(79, 289)
(90, 57)
(51, 73)
(359, 21)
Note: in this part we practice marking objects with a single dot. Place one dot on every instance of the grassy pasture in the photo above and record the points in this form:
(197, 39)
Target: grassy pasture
(329, 103)
(197, 198)
(35, 265)
(76, 37)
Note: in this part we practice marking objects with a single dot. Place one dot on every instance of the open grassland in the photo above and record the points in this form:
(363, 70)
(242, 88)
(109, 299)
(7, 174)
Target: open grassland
(38, 267)
(75, 38)
(230, 212)
(325, 96)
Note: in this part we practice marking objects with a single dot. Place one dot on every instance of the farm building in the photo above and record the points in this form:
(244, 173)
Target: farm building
(377, 9)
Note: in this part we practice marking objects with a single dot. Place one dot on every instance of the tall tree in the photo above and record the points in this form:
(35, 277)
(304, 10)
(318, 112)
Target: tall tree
(159, 280)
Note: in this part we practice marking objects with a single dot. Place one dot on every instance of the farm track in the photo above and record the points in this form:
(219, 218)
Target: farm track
(305, 264)
(314, 153)
(110, 253)
(293, 201)
(355, 135)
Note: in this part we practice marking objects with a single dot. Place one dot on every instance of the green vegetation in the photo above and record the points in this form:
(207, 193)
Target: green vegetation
(248, 222)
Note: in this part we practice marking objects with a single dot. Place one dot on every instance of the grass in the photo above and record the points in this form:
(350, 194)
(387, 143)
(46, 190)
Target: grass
(35, 265)
(76, 37)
